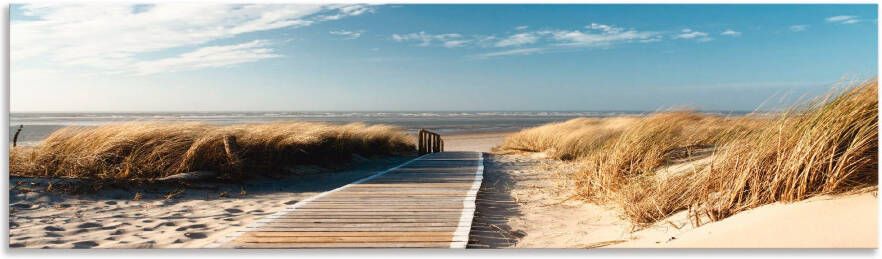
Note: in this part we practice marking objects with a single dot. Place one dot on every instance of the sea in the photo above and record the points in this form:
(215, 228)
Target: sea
(37, 126)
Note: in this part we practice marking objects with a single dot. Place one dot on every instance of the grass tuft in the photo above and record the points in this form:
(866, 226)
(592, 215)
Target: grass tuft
(151, 150)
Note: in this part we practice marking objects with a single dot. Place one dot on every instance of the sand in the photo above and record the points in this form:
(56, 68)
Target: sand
(542, 213)
(481, 142)
(848, 221)
(196, 216)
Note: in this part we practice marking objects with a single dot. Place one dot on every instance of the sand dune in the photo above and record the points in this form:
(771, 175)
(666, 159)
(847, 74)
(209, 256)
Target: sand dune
(849, 221)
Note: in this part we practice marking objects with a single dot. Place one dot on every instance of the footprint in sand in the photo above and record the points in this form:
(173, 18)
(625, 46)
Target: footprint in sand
(195, 235)
(109, 227)
(25, 206)
(198, 226)
(53, 228)
(89, 225)
(52, 234)
(291, 202)
(233, 210)
(118, 232)
(85, 244)
(16, 245)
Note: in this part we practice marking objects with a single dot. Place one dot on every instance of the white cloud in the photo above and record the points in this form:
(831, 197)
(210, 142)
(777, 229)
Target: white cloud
(594, 35)
(449, 40)
(517, 40)
(113, 37)
(843, 19)
(512, 52)
(214, 56)
(349, 35)
(522, 27)
(798, 27)
(601, 35)
(730, 32)
(689, 34)
(346, 11)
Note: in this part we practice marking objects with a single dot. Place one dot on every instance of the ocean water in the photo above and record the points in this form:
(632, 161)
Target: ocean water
(39, 125)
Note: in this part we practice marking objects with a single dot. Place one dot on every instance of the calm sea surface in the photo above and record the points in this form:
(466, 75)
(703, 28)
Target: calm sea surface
(39, 125)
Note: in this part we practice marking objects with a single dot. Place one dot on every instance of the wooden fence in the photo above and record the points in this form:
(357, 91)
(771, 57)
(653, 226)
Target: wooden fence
(429, 142)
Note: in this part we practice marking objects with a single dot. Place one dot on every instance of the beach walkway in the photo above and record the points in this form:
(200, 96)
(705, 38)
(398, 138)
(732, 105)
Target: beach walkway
(425, 202)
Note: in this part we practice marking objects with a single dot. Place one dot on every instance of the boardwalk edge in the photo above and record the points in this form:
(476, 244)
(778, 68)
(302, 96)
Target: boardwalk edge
(468, 212)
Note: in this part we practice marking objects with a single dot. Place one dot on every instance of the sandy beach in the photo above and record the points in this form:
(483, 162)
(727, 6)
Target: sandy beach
(526, 201)
(542, 212)
(162, 216)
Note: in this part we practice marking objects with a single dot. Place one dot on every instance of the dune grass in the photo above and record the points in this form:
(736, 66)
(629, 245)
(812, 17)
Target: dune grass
(151, 150)
(828, 146)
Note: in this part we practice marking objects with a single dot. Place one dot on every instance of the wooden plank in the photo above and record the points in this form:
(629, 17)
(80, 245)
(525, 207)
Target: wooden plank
(372, 210)
(457, 207)
(371, 214)
(362, 220)
(346, 245)
(359, 225)
(342, 234)
(425, 203)
(383, 229)
(346, 239)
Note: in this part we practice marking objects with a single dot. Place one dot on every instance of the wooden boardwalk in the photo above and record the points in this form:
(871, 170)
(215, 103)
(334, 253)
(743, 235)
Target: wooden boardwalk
(426, 202)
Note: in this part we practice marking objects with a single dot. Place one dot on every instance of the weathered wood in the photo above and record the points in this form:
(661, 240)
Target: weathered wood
(349, 229)
(344, 234)
(15, 138)
(429, 142)
(347, 245)
(426, 203)
(345, 239)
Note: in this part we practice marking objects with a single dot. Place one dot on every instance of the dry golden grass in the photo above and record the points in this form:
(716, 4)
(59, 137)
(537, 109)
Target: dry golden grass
(827, 147)
(150, 150)
(566, 140)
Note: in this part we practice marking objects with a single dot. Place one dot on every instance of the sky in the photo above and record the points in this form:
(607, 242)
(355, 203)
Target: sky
(200, 57)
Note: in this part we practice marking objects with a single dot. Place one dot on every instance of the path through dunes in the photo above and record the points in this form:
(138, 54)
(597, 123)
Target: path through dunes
(426, 202)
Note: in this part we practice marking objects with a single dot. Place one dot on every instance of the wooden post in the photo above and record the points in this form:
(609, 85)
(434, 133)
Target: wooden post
(15, 138)
(429, 142)
(435, 143)
(420, 142)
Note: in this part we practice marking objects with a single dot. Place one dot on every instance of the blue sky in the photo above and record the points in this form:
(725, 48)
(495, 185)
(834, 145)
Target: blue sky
(172, 57)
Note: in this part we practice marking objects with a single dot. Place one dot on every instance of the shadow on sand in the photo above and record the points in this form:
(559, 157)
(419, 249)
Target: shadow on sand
(494, 207)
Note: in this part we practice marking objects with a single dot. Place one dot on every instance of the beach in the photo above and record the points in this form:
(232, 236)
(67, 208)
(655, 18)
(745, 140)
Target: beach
(160, 216)
(526, 201)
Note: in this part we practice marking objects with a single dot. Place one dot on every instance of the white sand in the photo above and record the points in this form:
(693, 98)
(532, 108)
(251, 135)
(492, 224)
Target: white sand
(544, 213)
(480, 142)
(546, 217)
(822, 222)
(110, 218)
